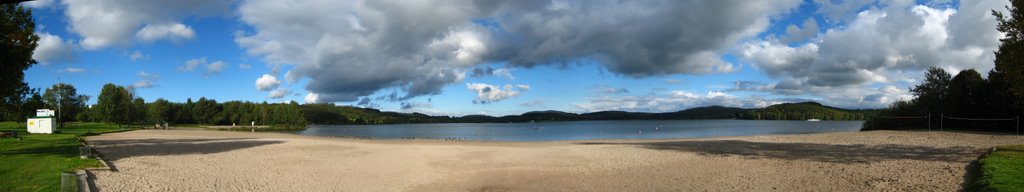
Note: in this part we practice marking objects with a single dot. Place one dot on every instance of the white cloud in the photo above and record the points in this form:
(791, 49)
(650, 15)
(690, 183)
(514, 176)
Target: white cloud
(191, 64)
(176, 32)
(291, 76)
(105, 23)
(244, 66)
(72, 70)
(53, 49)
(878, 42)
(670, 101)
(210, 69)
(148, 80)
(137, 55)
(780, 60)
(523, 87)
(38, 4)
(606, 89)
(879, 47)
(312, 98)
(532, 103)
(504, 72)
(279, 93)
(486, 93)
(267, 82)
(214, 68)
(852, 96)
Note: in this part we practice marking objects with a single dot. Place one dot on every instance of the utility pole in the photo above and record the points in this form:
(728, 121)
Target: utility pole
(60, 98)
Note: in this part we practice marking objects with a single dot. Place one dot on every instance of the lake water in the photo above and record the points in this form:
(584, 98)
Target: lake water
(583, 130)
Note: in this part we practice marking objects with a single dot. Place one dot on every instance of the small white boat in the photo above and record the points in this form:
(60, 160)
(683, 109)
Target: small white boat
(813, 119)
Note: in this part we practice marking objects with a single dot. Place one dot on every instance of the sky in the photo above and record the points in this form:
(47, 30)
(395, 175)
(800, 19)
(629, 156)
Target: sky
(462, 57)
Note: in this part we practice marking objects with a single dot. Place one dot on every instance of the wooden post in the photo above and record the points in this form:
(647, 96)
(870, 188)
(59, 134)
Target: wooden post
(942, 118)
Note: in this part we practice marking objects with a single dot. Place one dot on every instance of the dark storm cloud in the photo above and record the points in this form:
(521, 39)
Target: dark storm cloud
(351, 49)
(634, 38)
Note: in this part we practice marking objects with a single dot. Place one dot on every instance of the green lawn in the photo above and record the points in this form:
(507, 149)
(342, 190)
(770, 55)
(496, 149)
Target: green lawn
(35, 163)
(1003, 170)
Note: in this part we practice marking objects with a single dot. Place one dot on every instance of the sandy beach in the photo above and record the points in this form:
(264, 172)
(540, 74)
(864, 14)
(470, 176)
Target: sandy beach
(196, 160)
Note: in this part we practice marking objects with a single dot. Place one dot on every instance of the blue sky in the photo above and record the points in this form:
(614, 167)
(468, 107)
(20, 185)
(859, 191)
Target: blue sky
(461, 57)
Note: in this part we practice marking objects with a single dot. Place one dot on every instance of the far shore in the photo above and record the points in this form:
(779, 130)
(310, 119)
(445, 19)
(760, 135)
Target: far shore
(202, 160)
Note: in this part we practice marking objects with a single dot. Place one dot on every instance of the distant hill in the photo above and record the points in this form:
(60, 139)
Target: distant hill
(709, 112)
(331, 114)
(804, 111)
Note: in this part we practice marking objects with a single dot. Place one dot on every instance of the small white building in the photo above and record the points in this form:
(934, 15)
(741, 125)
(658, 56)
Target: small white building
(43, 122)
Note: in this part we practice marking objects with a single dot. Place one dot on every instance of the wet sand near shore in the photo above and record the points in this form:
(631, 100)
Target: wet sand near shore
(198, 160)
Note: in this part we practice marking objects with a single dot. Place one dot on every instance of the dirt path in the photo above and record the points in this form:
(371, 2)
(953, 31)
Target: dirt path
(193, 160)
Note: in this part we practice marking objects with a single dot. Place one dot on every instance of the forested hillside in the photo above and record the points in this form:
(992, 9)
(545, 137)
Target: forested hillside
(804, 111)
(331, 114)
(119, 105)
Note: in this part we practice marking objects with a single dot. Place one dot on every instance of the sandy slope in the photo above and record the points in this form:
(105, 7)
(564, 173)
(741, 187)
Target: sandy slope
(189, 160)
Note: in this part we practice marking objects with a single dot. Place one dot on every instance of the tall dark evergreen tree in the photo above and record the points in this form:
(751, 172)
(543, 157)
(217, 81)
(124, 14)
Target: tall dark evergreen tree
(1009, 69)
(932, 92)
(32, 102)
(965, 94)
(137, 111)
(18, 41)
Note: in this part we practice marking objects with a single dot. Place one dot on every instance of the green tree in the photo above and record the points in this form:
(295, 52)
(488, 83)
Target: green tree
(183, 112)
(160, 111)
(965, 94)
(31, 103)
(206, 111)
(18, 41)
(65, 97)
(113, 104)
(88, 114)
(232, 112)
(1009, 69)
(137, 110)
(932, 92)
(11, 108)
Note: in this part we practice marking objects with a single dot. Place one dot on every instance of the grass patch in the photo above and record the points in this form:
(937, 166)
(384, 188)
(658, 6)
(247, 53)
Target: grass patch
(35, 162)
(1002, 170)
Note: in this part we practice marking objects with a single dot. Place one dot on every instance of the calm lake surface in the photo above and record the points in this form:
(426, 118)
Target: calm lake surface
(583, 130)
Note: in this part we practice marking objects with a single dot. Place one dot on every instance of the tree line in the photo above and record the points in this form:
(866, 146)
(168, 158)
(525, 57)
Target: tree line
(120, 106)
(805, 111)
(968, 94)
(941, 95)
(61, 95)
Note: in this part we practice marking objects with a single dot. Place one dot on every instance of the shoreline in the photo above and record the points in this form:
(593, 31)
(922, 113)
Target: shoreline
(352, 138)
(190, 160)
